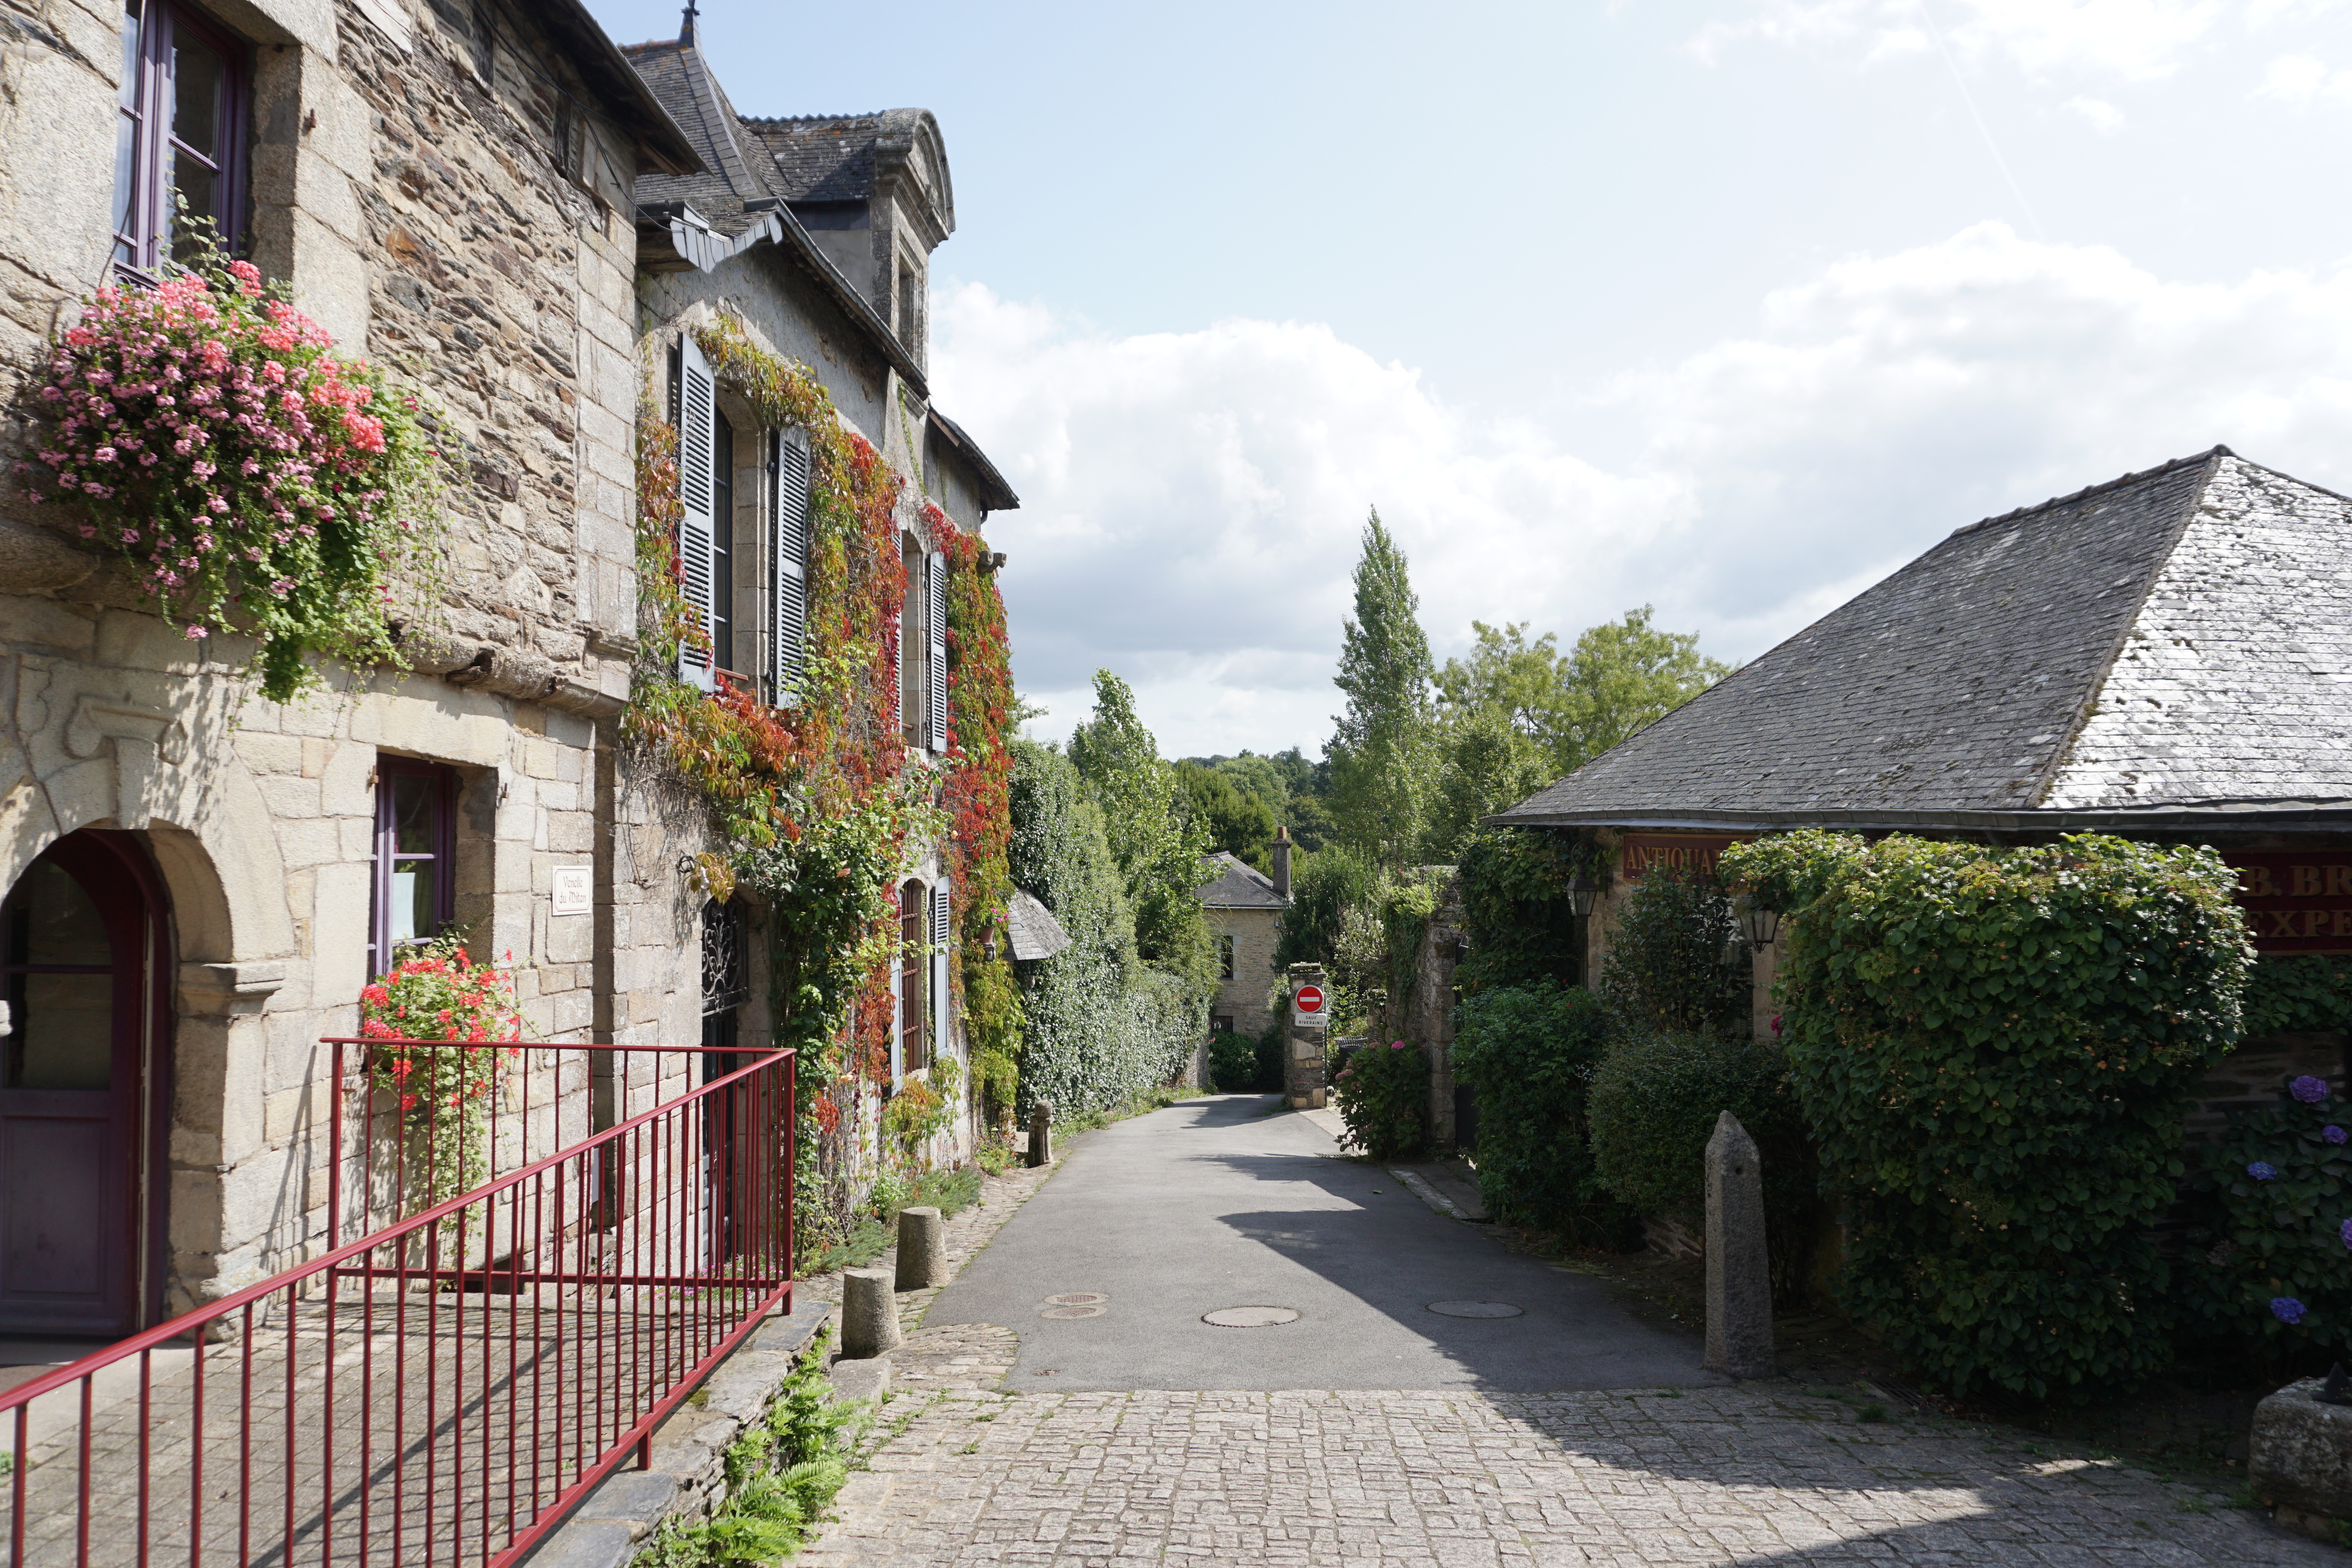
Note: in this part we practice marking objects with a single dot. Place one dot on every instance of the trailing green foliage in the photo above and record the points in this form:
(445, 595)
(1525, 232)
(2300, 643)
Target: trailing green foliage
(1515, 908)
(1994, 1048)
(1654, 1101)
(1382, 1095)
(1101, 1025)
(2270, 1259)
(781, 1474)
(1675, 961)
(2293, 993)
(1528, 1053)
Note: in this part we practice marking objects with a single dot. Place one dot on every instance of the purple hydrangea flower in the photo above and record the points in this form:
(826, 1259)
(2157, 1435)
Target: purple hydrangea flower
(2345, 1232)
(2332, 1134)
(2309, 1089)
(2263, 1170)
(2286, 1309)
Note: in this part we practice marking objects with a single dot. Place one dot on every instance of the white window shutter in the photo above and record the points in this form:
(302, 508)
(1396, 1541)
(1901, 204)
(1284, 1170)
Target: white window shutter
(941, 1012)
(937, 573)
(697, 411)
(788, 547)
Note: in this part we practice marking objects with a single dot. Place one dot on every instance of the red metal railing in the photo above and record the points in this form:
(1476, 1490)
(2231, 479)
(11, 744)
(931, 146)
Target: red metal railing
(441, 1389)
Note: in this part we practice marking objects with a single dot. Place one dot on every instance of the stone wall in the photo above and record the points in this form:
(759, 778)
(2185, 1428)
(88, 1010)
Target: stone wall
(406, 180)
(1245, 999)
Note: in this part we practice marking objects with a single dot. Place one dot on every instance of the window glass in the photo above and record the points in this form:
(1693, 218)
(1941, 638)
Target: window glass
(723, 544)
(61, 1025)
(177, 139)
(126, 135)
(415, 807)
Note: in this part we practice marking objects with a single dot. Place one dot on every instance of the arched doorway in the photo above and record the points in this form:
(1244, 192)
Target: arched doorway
(84, 950)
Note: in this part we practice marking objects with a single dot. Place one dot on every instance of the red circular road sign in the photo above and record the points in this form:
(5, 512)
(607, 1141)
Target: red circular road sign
(1309, 1000)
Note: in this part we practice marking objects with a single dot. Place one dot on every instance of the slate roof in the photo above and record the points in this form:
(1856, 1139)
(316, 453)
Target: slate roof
(824, 157)
(2175, 642)
(1035, 933)
(1235, 883)
(735, 167)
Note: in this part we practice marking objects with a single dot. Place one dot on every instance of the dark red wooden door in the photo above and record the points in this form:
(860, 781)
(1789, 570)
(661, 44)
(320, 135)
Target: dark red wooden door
(77, 938)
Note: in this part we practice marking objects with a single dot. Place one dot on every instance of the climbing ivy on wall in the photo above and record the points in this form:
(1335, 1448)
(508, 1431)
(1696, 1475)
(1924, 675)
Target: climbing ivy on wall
(1514, 907)
(980, 812)
(817, 806)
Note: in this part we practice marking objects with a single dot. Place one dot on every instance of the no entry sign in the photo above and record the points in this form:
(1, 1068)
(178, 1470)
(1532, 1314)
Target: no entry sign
(1306, 1008)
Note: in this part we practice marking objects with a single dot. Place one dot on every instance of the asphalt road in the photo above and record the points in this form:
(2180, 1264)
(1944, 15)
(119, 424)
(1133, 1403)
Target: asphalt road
(1216, 1203)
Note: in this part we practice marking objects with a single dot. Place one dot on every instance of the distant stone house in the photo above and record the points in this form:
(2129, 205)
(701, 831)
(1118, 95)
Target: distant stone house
(2165, 656)
(1245, 909)
(813, 237)
(448, 190)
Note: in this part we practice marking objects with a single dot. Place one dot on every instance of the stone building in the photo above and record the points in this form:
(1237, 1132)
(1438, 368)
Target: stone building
(1245, 909)
(447, 188)
(2166, 656)
(813, 237)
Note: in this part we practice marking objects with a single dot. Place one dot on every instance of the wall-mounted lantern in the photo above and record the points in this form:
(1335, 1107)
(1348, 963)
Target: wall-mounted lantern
(1759, 921)
(1583, 893)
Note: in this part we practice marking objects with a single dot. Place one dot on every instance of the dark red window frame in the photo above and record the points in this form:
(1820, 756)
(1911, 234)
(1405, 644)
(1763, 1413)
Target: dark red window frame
(441, 784)
(147, 131)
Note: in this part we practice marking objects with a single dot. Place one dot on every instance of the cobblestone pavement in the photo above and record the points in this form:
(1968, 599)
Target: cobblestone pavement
(1760, 1473)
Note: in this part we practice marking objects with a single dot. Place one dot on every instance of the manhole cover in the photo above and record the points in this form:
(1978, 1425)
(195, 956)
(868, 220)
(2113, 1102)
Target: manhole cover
(1076, 1299)
(1249, 1317)
(1475, 1308)
(1071, 1312)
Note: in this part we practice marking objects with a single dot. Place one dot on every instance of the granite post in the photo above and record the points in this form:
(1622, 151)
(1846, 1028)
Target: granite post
(1738, 1270)
(1303, 1067)
(922, 1248)
(869, 1314)
(1041, 1132)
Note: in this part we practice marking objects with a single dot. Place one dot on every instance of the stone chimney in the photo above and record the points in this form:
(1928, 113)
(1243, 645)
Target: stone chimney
(1282, 861)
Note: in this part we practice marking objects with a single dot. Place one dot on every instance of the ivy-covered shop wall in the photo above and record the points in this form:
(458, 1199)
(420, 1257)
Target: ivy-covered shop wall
(817, 808)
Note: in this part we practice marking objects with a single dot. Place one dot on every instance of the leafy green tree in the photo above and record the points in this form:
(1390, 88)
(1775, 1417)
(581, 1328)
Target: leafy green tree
(1486, 764)
(1239, 822)
(1380, 758)
(1154, 837)
(1622, 675)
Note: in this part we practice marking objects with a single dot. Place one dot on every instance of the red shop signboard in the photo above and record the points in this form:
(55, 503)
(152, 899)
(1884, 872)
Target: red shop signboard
(2296, 901)
(1637, 853)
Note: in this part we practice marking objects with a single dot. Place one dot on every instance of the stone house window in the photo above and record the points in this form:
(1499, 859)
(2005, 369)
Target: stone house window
(415, 857)
(179, 132)
(911, 990)
(1224, 957)
(788, 546)
(722, 542)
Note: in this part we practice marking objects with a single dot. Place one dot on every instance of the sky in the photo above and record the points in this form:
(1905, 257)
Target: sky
(1728, 308)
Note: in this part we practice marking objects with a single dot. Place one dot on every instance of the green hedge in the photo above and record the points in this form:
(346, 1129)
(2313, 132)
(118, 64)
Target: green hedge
(1654, 1101)
(1527, 1054)
(1665, 968)
(1383, 1094)
(1233, 1064)
(1995, 1048)
(2271, 1251)
(1515, 908)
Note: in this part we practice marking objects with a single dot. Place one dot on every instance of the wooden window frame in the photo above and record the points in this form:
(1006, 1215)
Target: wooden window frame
(444, 853)
(147, 105)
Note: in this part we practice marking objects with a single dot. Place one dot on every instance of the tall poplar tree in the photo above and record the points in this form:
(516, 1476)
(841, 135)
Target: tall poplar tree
(1158, 845)
(1381, 757)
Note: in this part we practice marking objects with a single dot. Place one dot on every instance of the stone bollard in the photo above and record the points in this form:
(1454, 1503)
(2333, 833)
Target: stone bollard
(1738, 1270)
(869, 1314)
(1041, 1134)
(922, 1248)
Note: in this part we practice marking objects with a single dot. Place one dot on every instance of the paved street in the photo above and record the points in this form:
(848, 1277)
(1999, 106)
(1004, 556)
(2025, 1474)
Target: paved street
(1139, 1435)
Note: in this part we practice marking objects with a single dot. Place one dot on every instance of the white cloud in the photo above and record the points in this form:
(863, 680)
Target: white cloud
(2299, 81)
(2135, 39)
(2102, 116)
(1191, 500)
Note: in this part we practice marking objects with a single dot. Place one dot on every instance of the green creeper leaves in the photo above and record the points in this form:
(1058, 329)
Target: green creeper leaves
(1995, 1048)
